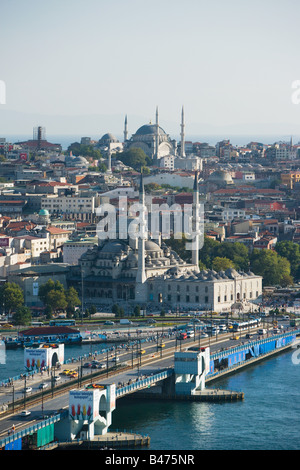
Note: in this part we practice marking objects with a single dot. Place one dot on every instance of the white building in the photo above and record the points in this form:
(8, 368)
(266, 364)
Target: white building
(73, 250)
(230, 214)
(81, 207)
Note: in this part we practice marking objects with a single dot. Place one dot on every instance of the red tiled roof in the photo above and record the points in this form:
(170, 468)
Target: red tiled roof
(48, 330)
(57, 230)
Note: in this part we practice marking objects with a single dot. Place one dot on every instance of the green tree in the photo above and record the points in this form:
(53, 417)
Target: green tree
(22, 316)
(137, 311)
(222, 263)
(134, 157)
(11, 297)
(118, 311)
(56, 299)
(290, 251)
(273, 267)
(78, 149)
(207, 252)
(179, 246)
(237, 252)
(93, 309)
(47, 287)
(73, 301)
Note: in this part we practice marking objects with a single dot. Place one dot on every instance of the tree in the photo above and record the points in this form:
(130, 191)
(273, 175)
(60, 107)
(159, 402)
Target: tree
(11, 297)
(137, 311)
(134, 157)
(22, 316)
(237, 252)
(72, 301)
(93, 309)
(179, 246)
(50, 285)
(290, 251)
(273, 267)
(221, 264)
(78, 149)
(118, 311)
(56, 299)
(206, 254)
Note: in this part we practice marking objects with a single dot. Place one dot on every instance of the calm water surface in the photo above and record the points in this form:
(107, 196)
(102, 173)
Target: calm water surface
(267, 419)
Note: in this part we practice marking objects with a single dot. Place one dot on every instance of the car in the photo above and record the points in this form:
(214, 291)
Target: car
(73, 374)
(27, 390)
(25, 413)
(57, 378)
(87, 365)
(109, 323)
(43, 385)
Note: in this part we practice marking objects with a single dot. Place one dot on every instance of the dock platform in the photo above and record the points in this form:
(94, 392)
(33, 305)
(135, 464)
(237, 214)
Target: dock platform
(110, 440)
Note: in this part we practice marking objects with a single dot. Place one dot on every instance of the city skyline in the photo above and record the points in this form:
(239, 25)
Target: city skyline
(78, 67)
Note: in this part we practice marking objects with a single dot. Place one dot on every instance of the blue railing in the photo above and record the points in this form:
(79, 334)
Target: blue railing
(143, 383)
(31, 429)
(250, 344)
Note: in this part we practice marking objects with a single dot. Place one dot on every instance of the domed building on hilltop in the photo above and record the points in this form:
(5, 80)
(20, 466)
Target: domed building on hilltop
(153, 140)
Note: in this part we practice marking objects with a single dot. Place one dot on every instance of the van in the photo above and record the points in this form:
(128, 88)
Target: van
(262, 331)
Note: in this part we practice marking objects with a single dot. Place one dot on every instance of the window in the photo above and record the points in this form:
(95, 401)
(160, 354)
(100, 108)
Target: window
(206, 299)
(187, 298)
(219, 299)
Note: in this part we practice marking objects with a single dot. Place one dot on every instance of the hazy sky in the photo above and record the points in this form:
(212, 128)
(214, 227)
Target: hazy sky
(79, 65)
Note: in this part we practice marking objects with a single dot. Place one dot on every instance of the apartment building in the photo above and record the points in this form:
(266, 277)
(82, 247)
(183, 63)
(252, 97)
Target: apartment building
(72, 207)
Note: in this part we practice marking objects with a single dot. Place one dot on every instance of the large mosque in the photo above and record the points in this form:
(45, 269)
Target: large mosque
(146, 272)
(156, 144)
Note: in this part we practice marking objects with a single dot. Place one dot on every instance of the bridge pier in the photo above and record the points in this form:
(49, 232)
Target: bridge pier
(90, 411)
(190, 369)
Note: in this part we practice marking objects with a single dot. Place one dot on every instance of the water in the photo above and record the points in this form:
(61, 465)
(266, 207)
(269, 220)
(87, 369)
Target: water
(267, 419)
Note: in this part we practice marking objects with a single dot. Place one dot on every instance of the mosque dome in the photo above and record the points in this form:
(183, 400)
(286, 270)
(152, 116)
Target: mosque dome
(149, 129)
(220, 176)
(113, 247)
(152, 246)
(107, 139)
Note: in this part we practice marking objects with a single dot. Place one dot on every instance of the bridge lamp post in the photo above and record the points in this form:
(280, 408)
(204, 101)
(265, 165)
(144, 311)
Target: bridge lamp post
(106, 362)
(25, 391)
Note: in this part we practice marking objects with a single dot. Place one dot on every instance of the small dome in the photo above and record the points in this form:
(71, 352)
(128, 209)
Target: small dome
(44, 212)
(151, 246)
(220, 176)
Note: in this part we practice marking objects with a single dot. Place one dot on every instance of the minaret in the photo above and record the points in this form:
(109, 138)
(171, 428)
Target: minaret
(125, 129)
(196, 222)
(182, 149)
(109, 159)
(156, 135)
(141, 287)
